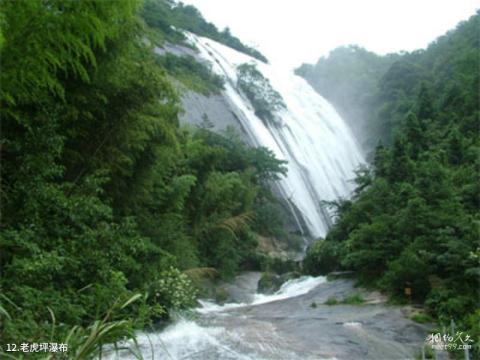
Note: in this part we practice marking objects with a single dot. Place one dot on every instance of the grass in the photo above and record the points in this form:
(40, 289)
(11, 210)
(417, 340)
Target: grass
(355, 299)
(421, 318)
(192, 74)
(86, 343)
(331, 301)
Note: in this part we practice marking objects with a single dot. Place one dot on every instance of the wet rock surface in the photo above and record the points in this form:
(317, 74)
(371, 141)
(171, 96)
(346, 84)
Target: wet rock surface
(243, 288)
(269, 283)
(287, 326)
(294, 329)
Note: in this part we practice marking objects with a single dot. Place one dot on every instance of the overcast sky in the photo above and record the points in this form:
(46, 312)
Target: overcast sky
(290, 32)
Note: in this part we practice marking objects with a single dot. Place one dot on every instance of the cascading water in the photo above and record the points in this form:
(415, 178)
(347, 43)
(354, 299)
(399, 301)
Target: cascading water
(295, 323)
(319, 147)
(321, 156)
(222, 332)
(292, 323)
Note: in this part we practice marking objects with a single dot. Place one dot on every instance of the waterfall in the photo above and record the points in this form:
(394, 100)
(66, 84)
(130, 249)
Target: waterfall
(321, 151)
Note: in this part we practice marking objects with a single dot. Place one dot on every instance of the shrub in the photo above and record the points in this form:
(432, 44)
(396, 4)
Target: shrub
(321, 258)
(354, 299)
(421, 318)
(194, 75)
(331, 301)
(281, 266)
(403, 272)
(173, 290)
(263, 97)
(446, 304)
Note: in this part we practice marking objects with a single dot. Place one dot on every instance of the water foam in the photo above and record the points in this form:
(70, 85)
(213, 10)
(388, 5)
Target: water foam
(289, 289)
(185, 339)
(321, 151)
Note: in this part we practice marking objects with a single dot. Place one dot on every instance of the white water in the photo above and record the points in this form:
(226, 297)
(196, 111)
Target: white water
(319, 147)
(283, 326)
(187, 339)
(322, 156)
(289, 289)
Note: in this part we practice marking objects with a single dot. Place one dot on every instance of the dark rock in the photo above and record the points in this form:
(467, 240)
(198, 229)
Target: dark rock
(270, 283)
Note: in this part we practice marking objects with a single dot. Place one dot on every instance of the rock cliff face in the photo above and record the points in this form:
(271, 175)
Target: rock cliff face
(221, 115)
(197, 107)
(215, 108)
(278, 110)
(218, 111)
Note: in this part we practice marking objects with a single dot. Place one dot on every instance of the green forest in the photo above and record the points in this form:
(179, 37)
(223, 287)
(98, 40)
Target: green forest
(171, 18)
(107, 202)
(414, 218)
(111, 211)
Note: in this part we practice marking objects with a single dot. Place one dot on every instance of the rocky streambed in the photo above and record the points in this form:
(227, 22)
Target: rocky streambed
(293, 323)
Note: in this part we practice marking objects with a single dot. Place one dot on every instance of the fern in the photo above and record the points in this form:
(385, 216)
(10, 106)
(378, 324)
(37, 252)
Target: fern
(235, 224)
(49, 41)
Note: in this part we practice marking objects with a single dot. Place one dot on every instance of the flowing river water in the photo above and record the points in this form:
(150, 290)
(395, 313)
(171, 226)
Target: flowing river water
(293, 323)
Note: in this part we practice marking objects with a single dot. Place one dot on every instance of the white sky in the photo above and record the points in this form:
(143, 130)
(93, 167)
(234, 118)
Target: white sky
(291, 32)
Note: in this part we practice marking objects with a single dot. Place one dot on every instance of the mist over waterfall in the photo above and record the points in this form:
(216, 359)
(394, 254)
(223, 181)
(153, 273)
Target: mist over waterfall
(321, 151)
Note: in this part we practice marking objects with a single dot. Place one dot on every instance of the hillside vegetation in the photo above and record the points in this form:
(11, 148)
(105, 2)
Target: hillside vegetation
(105, 200)
(348, 78)
(172, 17)
(414, 219)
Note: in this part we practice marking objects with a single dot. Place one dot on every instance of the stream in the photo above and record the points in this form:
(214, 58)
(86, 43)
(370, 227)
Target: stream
(293, 323)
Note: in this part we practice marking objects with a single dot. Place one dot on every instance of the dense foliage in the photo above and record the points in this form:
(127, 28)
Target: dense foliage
(263, 97)
(103, 196)
(170, 16)
(414, 220)
(194, 75)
